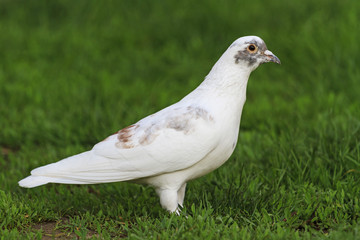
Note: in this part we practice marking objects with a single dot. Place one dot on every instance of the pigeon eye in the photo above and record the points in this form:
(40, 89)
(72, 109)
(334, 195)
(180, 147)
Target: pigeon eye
(252, 48)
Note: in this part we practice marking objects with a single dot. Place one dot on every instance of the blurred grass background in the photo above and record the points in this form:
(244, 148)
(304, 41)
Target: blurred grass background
(73, 72)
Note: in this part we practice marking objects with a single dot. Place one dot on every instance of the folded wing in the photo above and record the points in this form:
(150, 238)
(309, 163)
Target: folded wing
(170, 140)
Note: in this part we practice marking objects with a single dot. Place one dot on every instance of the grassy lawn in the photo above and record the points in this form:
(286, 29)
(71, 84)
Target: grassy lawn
(72, 73)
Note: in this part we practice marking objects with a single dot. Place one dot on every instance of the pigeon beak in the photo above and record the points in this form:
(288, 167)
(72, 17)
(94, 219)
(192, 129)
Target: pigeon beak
(270, 57)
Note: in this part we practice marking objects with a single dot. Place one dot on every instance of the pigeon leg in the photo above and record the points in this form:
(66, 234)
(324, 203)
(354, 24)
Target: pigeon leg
(169, 199)
(181, 195)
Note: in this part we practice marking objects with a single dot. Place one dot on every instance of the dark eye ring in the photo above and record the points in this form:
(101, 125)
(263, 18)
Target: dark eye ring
(252, 48)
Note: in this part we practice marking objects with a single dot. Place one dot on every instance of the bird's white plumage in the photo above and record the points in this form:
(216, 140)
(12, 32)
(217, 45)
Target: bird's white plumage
(181, 142)
(153, 146)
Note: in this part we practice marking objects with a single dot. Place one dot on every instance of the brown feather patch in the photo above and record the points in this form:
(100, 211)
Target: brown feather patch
(181, 123)
(124, 137)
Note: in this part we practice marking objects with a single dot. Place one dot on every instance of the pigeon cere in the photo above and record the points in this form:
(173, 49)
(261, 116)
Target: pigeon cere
(176, 144)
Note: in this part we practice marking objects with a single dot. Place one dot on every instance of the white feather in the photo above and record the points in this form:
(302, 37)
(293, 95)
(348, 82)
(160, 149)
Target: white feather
(181, 142)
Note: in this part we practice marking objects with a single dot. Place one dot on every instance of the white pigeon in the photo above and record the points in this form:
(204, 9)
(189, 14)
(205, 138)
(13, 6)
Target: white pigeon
(177, 144)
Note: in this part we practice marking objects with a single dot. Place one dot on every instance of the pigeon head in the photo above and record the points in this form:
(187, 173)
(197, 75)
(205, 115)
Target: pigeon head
(251, 51)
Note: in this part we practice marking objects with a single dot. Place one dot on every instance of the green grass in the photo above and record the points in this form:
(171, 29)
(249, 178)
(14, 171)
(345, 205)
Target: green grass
(72, 73)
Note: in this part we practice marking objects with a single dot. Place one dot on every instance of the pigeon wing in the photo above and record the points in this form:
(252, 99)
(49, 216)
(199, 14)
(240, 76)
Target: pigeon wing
(168, 141)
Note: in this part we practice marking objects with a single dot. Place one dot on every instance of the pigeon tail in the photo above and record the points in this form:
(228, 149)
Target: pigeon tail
(83, 168)
(35, 181)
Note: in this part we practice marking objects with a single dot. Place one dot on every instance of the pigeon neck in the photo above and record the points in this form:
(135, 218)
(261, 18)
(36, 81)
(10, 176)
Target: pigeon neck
(226, 78)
